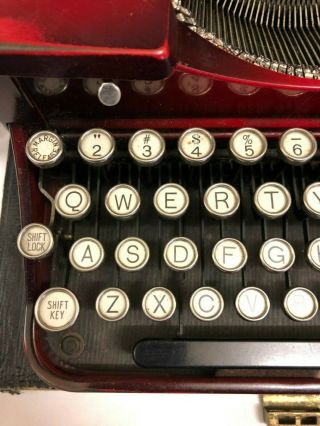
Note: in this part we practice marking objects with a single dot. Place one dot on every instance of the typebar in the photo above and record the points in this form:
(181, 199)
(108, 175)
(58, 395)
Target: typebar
(224, 354)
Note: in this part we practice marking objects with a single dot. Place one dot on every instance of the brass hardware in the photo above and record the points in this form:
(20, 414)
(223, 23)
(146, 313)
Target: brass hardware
(296, 410)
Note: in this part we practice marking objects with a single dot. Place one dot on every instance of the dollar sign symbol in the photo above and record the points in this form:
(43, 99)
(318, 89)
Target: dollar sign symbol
(196, 138)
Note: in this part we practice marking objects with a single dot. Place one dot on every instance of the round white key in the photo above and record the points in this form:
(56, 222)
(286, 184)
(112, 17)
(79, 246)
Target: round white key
(92, 85)
(180, 254)
(86, 254)
(221, 200)
(44, 149)
(159, 304)
(148, 87)
(301, 304)
(122, 201)
(243, 89)
(96, 147)
(35, 241)
(109, 94)
(72, 201)
(56, 309)
(206, 304)
(112, 304)
(171, 200)
(132, 254)
(229, 255)
(194, 85)
(196, 146)
(311, 200)
(50, 86)
(313, 253)
(272, 200)
(252, 304)
(248, 145)
(297, 146)
(277, 255)
(146, 147)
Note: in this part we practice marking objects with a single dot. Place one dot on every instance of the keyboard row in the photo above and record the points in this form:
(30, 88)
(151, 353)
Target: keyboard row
(36, 241)
(57, 308)
(221, 200)
(147, 147)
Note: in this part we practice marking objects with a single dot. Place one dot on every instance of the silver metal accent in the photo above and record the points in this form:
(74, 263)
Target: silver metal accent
(86, 254)
(196, 146)
(56, 309)
(194, 85)
(44, 149)
(277, 255)
(96, 147)
(313, 253)
(272, 200)
(132, 254)
(50, 86)
(159, 304)
(248, 145)
(171, 200)
(122, 201)
(221, 200)
(243, 89)
(112, 304)
(72, 202)
(92, 85)
(109, 94)
(147, 147)
(35, 241)
(180, 254)
(148, 87)
(311, 200)
(206, 304)
(298, 146)
(301, 304)
(252, 304)
(229, 255)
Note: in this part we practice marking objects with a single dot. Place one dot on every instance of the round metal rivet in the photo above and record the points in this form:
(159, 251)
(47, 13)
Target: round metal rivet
(171, 200)
(272, 200)
(72, 201)
(122, 201)
(221, 200)
(206, 304)
(196, 146)
(109, 94)
(159, 304)
(132, 254)
(277, 255)
(252, 304)
(229, 255)
(112, 304)
(35, 241)
(297, 146)
(180, 254)
(96, 147)
(300, 304)
(146, 147)
(86, 254)
(44, 149)
(248, 145)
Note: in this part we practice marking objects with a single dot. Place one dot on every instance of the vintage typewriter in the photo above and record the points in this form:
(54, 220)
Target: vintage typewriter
(168, 175)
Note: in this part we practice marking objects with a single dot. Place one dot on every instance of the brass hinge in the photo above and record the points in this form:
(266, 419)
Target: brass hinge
(299, 410)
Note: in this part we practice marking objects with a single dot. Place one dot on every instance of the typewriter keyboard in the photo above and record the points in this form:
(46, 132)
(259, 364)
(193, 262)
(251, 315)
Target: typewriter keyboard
(158, 244)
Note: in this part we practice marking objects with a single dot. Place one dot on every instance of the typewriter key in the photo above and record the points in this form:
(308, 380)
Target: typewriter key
(132, 254)
(171, 200)
(96, 147)
(194, 85)
(272, 200)
(252, 304)
(313, 253)
(72, 201)
(112, 304)
(196, 146)
(229, 255)
(86, 254)
(297, 146)
(277, 255)
(159, 304)
(109, 94)
(221, 200)
(300, 304)
(206, 304)
(148, 87)
(248, 145)
(35, 241)
(50, 86)
(311, 200)
(44, 149)
(56, 309)
(242, 89)
(180, 254)
(122, 201)
(146, 147)
(92, 85)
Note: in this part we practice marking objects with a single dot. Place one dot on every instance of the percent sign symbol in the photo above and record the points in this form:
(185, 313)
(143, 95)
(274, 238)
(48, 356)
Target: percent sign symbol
(248, 145)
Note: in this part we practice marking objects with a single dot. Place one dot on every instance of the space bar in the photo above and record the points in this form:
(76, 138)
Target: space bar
(226, 354)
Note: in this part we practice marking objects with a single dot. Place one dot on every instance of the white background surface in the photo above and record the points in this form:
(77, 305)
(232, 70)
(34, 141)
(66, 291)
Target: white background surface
(57, 408)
